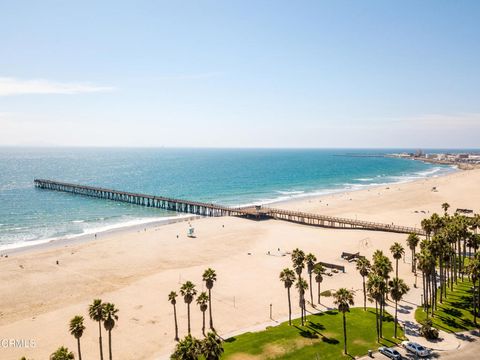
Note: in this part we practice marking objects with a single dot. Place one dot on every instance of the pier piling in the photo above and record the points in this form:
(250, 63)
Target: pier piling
(215, 210)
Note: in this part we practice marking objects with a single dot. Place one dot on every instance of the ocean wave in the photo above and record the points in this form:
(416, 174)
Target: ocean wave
(292, 192)
(94, 230)
(372, 182)
(22, 244)
(131, 223)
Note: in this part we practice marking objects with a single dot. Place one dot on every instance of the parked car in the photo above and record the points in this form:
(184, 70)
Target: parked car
(390, 353)
(415, 348)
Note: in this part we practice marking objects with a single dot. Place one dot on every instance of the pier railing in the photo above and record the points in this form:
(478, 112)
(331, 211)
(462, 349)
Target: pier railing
(337, 222)
(210, 209)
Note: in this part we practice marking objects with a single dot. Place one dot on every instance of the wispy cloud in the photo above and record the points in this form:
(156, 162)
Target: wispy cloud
(12, 86)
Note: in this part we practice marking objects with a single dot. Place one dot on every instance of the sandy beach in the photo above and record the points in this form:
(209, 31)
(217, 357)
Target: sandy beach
(136, 269)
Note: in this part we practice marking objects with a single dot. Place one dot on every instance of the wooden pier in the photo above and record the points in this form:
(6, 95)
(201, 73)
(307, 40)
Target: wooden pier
(210, 209)
(337, 222)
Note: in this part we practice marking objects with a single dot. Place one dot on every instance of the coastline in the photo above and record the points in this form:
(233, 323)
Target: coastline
(48, 244)
(285, 200)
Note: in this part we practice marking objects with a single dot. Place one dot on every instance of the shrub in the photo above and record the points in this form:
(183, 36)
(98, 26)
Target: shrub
(428, 331)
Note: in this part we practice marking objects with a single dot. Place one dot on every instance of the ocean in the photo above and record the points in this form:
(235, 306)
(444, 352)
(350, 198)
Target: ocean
(226, 176)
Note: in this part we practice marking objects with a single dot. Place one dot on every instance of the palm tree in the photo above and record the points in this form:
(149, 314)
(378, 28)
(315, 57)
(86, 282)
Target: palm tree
(343, 300)
(397, 251)
(398, 288)
(426, 263)
(110, 315)
(302, 286)
(202, 301)
(210, 276)
(382, 266)
(473, 270)
(426, 225)
(310, 259)
(287, 276)
(188, 292)
(445, 207)
(76, 329)
(298, 260)
(318, 270)
(412, 242)
(95, 311)
(363, 266)
(211, 347)
(172, 297)
(375, 292)
(62, 353)
(187, 349)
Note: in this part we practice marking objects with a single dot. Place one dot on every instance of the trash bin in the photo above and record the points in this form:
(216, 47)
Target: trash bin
(370, 353)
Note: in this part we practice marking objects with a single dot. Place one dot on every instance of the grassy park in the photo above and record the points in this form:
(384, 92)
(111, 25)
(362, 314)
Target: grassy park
(321, 337)
(456, 312)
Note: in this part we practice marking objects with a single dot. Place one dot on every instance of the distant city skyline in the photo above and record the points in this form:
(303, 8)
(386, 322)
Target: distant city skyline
(309, 74)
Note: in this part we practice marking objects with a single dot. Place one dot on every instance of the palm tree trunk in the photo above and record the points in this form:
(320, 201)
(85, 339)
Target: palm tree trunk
(344, 334)
(382, 306)
(413, 260)
(424, 291)
(301, 309)
(110, 344)
(459, 249)
(203, 323)
(100, 339)
(364, 295)
(451, 274)
(188, 318)
(474, 302)
(176, 324)
(396, 319)
(305, 310)
(79, 352)
(319, 292)
(441, 280)
(210, 308)
(311, 290)
(289, 308)
(396, 268)
(478, 295)
(376, 320)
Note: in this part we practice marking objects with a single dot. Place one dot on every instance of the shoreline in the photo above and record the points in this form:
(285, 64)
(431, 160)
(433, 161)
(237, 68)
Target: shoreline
(51, 244)
(48, 244)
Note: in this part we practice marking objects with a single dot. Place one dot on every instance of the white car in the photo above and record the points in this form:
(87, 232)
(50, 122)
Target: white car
(415, 348)
(390, 353)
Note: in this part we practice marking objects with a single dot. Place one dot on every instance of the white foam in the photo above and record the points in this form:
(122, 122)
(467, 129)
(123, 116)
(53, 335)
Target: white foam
(387, 180)
(293, 192)
(95, 230)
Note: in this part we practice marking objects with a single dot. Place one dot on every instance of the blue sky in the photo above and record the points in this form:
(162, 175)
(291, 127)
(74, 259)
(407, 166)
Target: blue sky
(240, 73)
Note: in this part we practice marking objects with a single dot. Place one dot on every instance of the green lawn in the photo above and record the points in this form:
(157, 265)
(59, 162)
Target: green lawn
(322, 336)
(456, 312)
